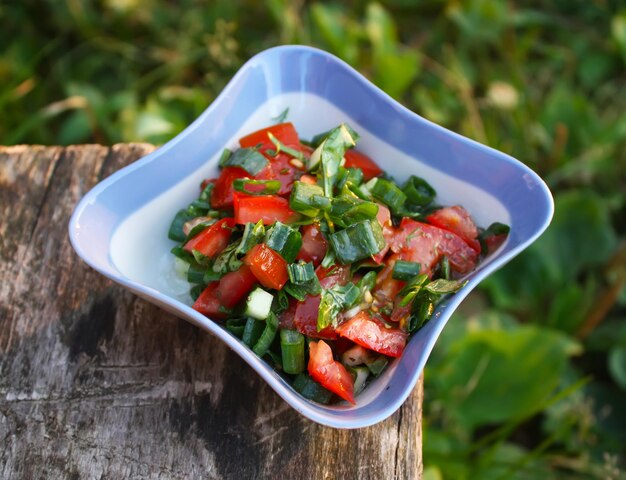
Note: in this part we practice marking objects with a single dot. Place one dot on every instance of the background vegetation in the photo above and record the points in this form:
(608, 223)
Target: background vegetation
(529, 379)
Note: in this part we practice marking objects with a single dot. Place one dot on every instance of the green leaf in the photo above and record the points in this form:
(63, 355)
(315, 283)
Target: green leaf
(490, 376)
(617, 365)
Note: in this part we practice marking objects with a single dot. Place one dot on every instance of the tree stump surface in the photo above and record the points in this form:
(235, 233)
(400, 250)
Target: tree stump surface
(97, 383)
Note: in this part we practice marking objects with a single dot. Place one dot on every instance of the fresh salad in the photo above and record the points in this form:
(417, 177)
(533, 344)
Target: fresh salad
(318, 260)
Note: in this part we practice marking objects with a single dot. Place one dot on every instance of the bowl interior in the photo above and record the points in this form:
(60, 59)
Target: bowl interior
(120, 227)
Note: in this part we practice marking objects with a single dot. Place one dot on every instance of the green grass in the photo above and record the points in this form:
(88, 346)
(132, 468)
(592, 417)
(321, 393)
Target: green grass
(529, 379)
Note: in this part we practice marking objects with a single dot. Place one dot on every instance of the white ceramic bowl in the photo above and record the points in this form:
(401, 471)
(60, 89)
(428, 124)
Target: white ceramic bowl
(120, 227)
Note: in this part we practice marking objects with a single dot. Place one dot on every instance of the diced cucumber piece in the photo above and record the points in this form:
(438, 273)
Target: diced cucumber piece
(259, 304)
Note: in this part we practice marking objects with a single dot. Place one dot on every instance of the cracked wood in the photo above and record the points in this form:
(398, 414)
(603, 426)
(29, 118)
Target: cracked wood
(97, 383)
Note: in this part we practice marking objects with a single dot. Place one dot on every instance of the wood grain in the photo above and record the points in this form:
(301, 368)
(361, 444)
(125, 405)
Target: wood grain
(97, 383)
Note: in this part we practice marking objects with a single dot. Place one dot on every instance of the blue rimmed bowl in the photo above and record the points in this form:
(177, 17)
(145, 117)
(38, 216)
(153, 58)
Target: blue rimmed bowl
(120, 227)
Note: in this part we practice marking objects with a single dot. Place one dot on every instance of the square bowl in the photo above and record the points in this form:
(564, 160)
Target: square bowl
(120, 227)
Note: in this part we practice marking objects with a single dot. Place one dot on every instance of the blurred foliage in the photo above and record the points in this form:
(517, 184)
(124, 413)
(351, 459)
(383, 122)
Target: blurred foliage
(529, 378)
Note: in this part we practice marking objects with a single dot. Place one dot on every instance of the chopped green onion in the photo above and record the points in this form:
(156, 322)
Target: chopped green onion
(443, 268)
(252, 234)
(418, 191)
(441, 286)
(195, 274)
(310, 389)
(298, 292)
(300, 273)
(330, 154)
(284, 240)
(268, 186)
(302, 281)
(176, 228)
(348, 210)
(387, 192)
(195, 292)
(281, 147)
(307, 199)
(205, 195)
(252, 331)
(360, 378)
(267, 337)
(358, 241)
(236, 326)
(377, 365)
(292, 349)
(334, 301)
(247, 158)
(405, 270)
(198, 228)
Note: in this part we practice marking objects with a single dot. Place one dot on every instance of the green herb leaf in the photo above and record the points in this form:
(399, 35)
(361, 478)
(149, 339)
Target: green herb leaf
(330, 153)
(256, 187)
(358, 241)
(247, 158)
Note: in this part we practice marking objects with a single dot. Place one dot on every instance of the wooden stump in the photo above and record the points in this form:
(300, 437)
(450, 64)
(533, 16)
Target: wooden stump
(95, 382)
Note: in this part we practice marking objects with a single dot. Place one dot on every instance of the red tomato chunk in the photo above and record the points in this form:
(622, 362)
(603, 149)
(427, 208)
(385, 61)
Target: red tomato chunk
(268, 266)
(363, 330)
(328, 372)
(212, 239)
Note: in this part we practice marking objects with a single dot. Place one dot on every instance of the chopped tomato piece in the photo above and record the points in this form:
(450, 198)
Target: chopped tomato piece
(269, 208)
(334, 275)
(212, 239)
(305, 319)
(363, 330)
(493, 242)
(268, 266)
(205, 182)
(426, 244)
(384, 218)
(222, 193)
(314, 245)
(456, 220)
(235, 285)
(357, 159)
(286, 318)
(284, 132)
(387, 287)
(283, 167)
(208, 304)
(328, 372)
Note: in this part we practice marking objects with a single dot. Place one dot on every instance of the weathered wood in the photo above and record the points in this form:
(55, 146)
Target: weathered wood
(97, 383)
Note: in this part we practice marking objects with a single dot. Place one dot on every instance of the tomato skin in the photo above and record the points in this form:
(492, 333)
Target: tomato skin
(208, 304)
(387, 287)
(305, 319)
(284, 132)
(356, 159)
(457, 220)
(363, 330)
(335, 275)
(268, 266)
(235, 285)
(223, 191)
(281, 168)
(314, 245)
(212, 239)
(286, 318)
(384, 218)
(493, 242)
(269, 208)
(426, 244)
(328, 372)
